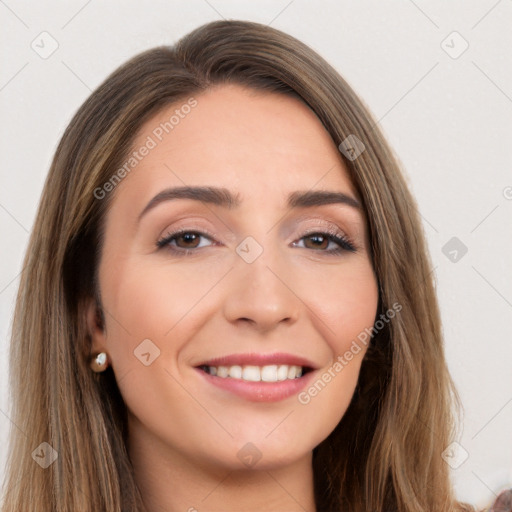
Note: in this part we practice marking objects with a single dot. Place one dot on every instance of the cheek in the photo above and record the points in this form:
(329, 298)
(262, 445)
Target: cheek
(151, 301)
(350, 311)
(155, 309)
(345, 312)
(345, 304)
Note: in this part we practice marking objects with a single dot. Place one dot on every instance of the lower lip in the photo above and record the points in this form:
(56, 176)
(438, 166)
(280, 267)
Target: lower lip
(259, 391)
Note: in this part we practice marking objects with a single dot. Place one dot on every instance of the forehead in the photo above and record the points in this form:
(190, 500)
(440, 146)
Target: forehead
(238, 138)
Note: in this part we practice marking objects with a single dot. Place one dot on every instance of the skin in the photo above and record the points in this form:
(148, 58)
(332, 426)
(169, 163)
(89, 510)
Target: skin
(184, 433)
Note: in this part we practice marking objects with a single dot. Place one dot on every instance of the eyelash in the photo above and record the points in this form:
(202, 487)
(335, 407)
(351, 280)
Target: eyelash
(344, 244)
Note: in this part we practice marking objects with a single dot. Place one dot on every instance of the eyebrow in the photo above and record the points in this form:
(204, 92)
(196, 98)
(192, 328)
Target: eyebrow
(223, 197)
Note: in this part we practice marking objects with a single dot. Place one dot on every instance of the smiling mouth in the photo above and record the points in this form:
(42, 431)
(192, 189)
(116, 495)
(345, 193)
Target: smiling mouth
(252, 373)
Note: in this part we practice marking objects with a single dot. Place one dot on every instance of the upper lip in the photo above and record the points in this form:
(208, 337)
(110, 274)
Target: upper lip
(255, 359)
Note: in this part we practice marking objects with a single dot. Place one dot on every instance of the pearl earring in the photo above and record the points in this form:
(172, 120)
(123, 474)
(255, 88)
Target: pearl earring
(99, 363)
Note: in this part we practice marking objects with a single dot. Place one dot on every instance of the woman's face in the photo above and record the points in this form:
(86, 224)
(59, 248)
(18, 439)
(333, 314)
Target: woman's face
(269, 268)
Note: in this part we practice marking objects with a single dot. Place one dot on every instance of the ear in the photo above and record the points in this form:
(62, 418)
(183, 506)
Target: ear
(96, 326)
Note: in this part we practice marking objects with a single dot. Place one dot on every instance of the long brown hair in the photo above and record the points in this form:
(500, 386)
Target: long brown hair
(386, 452)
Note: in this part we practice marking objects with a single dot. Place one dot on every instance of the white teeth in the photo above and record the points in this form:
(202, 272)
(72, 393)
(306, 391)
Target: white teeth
(235, 372)
(222, 371)
(270, 373)
(282, 372)
(251, 373)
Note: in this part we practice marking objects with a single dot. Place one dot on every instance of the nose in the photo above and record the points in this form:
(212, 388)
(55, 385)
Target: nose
(260, 295)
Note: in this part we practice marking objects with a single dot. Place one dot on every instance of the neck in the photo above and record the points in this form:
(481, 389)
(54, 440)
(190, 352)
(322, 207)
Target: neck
(171, 482)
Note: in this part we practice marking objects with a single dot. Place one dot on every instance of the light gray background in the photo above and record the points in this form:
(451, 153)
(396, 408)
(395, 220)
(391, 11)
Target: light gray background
(448, 119)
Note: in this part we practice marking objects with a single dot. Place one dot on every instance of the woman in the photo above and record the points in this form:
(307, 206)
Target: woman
(227, 299)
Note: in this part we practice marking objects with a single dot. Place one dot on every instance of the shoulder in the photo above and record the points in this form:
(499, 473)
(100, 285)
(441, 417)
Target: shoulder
(503, 502)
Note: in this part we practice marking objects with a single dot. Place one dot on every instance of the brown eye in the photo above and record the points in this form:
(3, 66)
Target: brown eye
(189, 240)
(317, 241)
(184, 240)
(326, 243)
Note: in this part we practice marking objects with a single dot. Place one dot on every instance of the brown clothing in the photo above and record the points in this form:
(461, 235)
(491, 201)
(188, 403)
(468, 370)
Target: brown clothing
(503, 502)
